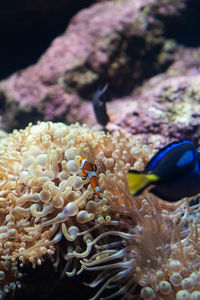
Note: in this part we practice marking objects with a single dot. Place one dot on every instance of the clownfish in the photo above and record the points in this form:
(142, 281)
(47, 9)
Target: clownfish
(174, 171)
(89, 170)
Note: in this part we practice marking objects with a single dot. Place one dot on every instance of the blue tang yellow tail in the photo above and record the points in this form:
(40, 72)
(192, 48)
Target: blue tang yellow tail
(139, 181)
(174, 173)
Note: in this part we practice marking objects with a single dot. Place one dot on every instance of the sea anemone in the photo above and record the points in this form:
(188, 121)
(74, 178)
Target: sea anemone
(141, 247)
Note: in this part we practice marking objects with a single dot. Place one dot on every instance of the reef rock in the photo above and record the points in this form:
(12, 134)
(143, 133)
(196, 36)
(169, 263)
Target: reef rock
(120, 42)
(163, 110)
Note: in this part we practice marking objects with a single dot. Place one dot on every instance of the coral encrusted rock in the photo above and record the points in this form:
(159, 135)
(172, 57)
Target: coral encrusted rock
(120, 42)
(165, 109)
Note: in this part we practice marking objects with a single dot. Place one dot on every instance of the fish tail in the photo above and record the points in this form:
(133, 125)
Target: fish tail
(95, 185)
(137, 181)
(98, 192)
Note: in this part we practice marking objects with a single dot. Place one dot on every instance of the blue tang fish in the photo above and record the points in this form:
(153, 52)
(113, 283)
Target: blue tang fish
(174, 173)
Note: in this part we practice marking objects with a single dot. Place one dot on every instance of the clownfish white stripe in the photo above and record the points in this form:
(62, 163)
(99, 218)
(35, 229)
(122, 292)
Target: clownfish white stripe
(91, 174)
(82, 163)
(97, 189)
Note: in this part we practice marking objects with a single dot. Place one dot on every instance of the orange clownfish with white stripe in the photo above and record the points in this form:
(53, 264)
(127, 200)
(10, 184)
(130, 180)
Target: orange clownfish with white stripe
(89, 170)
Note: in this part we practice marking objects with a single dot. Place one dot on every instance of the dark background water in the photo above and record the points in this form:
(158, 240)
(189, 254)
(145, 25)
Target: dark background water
(24, 41)
(44, 283)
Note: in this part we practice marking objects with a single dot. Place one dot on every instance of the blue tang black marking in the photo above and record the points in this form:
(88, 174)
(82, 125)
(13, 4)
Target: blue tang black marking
(174, 171)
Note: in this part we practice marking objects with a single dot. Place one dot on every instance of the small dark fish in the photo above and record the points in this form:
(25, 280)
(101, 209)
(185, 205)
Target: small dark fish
(99, 107)
(174, 171)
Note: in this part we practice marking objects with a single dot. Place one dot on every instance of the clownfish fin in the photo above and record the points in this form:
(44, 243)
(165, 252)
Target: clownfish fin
(95, 167)
(98, 193)
(137, 181)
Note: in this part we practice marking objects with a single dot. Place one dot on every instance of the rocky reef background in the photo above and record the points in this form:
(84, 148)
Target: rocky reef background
(55, 54)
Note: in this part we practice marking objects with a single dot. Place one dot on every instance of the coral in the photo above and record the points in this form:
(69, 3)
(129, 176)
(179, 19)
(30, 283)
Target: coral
(163, 110)
(141, 247)
(95, 47)
(42, 194)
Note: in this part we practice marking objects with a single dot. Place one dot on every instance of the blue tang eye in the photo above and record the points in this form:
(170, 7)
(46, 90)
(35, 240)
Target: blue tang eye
(185, 159)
